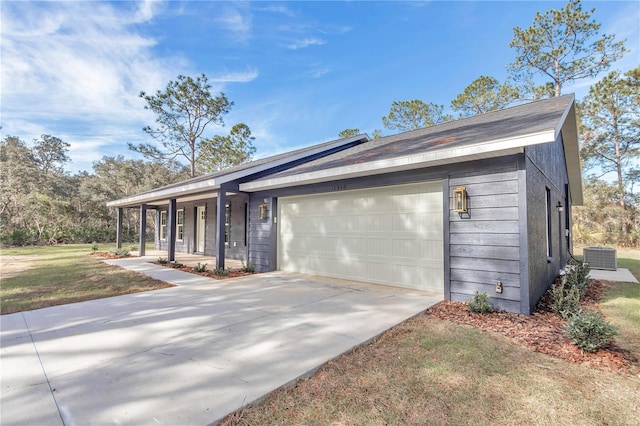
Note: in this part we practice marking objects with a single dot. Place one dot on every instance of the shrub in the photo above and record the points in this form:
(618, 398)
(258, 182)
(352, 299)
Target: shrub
(222, 272)
(163, 260)
(133, 248)
(589, 331)
(94, 247)
(119, 252)
(565, 300)
(248, 267)
(577, 276)
(176, 265)
(479, 303)
(200, 268)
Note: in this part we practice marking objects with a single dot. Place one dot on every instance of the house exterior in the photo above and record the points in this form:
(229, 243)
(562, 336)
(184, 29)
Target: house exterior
(477, 204)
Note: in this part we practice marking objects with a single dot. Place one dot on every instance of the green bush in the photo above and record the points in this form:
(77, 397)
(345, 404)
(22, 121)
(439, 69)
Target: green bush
(480, 304)
(248, 267)
(589, 331)
(565, 300)
(222, 272)
(176, 265)
(119, 252)
(94, 247)
(163, 260)
(577, 276)
(200, 268)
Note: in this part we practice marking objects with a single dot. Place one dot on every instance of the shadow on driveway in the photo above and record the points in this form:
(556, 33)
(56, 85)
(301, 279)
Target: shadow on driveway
(189, 354)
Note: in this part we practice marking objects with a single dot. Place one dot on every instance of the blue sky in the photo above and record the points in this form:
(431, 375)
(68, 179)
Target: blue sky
(298, 72)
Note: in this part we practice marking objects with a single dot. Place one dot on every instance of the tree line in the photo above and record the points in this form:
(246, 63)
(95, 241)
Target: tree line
(42, 203)
(560, 47)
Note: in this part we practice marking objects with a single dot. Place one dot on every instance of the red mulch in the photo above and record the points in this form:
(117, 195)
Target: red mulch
(209, 274)
(106, 255)
(543, 332)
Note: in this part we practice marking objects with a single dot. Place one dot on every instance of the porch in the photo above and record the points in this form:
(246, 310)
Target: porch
(190, 259)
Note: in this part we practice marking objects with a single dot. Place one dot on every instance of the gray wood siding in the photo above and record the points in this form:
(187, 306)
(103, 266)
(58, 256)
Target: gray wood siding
(260, 234)
(545, 168)
(484, 244)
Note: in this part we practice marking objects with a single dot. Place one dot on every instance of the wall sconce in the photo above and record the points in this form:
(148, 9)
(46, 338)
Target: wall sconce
(263, 211)
(460, 199)
(560, 208)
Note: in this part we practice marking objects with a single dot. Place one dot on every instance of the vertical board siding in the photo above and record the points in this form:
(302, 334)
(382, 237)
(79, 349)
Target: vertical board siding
(484, 243)
(260, 235)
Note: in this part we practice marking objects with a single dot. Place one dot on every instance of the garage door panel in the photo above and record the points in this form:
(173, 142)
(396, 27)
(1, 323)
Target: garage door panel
(390, 235)
(378, 247)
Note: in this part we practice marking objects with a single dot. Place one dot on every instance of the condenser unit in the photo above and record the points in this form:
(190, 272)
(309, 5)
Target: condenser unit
(601, 258)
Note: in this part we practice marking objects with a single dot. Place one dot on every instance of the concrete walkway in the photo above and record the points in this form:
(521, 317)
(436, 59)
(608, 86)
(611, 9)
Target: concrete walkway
(620, 275)
(186, 355)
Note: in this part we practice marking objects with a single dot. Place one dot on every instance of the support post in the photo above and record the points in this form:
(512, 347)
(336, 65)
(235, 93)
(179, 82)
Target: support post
(143, 229)
(221, 208)
(171, 230)
(119, 228)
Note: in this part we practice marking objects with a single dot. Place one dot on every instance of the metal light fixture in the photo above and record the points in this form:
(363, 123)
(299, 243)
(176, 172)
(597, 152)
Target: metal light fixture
(263, 211)
(460, 199)
(560, 208)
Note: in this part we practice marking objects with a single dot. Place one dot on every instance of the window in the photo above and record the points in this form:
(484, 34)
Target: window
(163, 225)
(180, 225)
(549, 233)
(227, 223)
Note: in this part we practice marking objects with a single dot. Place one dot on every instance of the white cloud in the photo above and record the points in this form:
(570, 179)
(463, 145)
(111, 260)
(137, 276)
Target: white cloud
(236, 77)
(301, 44)
(74, 70)
(238, 20)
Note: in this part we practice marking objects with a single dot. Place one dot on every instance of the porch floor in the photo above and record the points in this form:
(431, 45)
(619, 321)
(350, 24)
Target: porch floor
(191, 259)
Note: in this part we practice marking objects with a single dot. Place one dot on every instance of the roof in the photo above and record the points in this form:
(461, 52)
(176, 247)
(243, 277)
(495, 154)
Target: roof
(211, 182)
(503, 132)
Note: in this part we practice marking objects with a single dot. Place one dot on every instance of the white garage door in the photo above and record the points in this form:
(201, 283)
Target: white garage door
(390, 235)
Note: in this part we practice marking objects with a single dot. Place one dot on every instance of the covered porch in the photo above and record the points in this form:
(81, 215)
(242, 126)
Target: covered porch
(190, 259)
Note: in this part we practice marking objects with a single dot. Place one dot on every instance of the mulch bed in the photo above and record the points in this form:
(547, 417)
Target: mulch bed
(106, 255)
(543, 331)
(208, 273)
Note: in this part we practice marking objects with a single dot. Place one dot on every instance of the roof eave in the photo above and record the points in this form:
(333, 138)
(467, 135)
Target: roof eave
(161, 194)
(213, 184)
(569, 129)
(488, 149)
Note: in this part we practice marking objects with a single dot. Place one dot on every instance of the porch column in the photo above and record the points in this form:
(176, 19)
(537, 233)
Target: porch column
(221, 208)
(143, 229)
(119, 228)
(171, 230)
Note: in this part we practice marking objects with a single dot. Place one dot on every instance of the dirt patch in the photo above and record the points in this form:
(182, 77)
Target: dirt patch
(10, 266)
(543, 331)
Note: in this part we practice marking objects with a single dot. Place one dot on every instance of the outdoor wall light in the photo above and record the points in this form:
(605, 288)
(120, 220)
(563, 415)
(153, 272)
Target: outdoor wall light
(560, 208)
(263, 211)
(460, 199)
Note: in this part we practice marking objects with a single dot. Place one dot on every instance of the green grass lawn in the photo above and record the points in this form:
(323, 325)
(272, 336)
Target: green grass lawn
(38, 277)
(428, 371)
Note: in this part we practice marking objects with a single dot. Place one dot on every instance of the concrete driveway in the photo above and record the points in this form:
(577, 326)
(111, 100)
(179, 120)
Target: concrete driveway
(185, 355)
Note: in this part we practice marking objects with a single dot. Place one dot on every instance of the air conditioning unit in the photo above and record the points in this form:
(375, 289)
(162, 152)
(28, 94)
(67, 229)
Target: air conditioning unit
(601, 258)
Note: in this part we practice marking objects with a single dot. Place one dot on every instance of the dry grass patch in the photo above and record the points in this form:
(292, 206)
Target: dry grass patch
(59, 275)
(431, 371)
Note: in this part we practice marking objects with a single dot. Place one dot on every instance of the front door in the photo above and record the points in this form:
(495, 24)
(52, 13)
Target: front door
(200, 227)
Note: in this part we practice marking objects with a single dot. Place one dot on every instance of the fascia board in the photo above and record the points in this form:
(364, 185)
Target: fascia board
(572, 155)
(308, 153)
(181, 191)
(214, 183)
(489, 149)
